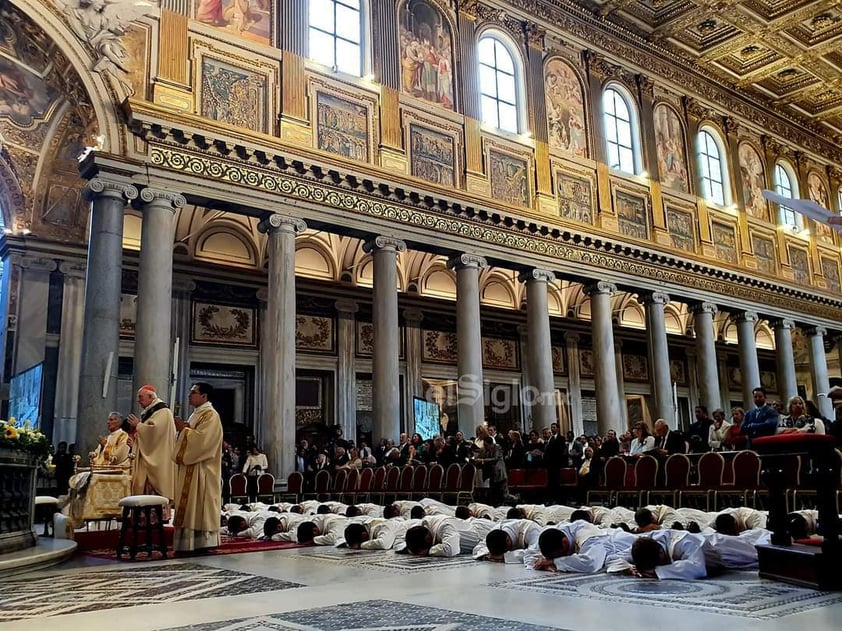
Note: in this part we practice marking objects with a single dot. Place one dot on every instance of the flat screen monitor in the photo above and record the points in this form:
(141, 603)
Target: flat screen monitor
(427, 415)
(25, 396)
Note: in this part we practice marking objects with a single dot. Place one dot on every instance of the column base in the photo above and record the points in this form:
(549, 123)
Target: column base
(798, 564)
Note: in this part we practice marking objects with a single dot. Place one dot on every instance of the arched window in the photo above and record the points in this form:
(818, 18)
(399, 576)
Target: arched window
(499, 78)
(713, 167)
(335, 35)
(622, 136)
(786, 185)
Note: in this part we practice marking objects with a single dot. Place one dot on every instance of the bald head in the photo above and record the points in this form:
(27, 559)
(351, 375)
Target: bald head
(146, 395)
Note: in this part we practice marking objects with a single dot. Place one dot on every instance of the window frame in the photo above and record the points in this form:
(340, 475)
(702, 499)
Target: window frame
(363, 44)
(518, 78)
(721, 158)
(785, 214)
(634, 129)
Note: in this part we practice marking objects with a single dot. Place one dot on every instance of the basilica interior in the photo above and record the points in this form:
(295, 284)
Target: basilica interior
(332, 209)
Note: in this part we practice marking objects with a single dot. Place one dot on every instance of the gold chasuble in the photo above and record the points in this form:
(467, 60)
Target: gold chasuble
(154, 471)
(198, 498)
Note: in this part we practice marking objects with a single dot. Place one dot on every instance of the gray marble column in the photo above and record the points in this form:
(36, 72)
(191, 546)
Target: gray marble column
(182, 320)
(540, 357)
(749, 366)
(69, 352)
(525, 380)
(608, 408)
(414, 384)
(278, 347)
(708, 375)
(659, 356)
(785, 358)
(346, 369)
(574, 382)
(153, 345)
(386, 407)
(471, 404)
(101, 329)
(818, 363)
(622, 414)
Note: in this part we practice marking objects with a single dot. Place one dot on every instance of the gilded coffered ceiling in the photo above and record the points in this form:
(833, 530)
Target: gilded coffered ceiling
(785, 53)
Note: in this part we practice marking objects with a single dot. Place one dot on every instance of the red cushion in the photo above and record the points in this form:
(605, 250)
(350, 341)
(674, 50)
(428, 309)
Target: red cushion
(794, 438)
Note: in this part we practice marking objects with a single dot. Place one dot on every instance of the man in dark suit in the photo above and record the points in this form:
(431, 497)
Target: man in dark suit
(667, 441)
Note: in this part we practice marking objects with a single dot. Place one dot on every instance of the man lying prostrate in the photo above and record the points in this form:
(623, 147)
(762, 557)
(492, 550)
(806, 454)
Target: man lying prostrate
(484, 511)
(733, 521)
(322, 530)
(506, 542)
(376, 533)
(434, 507)
(735, 552)
(664, 554)
(613, 517)
(646, 520)
(577, 547)
(802, 523)
(283, 527)
(406, 506)
(364, 508)
(441, 536)
(309, 507)
(541, 514)
(249, 525)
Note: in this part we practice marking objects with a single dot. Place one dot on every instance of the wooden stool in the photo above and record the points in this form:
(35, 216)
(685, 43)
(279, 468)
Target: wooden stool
(45, 508)
(137, 516)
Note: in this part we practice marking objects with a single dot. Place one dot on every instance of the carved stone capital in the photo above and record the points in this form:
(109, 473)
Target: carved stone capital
(157, 198)
(469, 7)
(100, 187)
(413, 317)
(384, 243)
(535, 35)
(655, 297)
(704, 307)
(745, 316)
(36, 263)
(731, 126)
(571, 338)
(783, 323)
(73, 269)
(461, 261)
(183, 285)
(281, 223)
(346, 308)
(813, 331)
(600, 287)
(601, 67)
(646, 85)
(535, 273)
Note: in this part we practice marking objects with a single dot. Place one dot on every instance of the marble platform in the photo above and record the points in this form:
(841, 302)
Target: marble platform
(333, 590)
(45, 553)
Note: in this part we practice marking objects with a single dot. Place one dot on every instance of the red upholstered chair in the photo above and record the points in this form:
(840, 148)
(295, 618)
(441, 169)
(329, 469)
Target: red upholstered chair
(613, 480)
(405, 483)
(676, 479)
(517, 479)
(295, 486)
(466, 483)
(645, 477)
(364, 486)
(703, 494)
(390, 489)
(237, 483)
(742, 491)
(378, 484)
(419, 482)
(435, 479)
(352, 484)
(266, 488)
(450, 489)
(322, 485)
(339, 484)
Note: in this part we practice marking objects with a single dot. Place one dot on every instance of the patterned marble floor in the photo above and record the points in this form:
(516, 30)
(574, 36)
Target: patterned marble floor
(334, 589)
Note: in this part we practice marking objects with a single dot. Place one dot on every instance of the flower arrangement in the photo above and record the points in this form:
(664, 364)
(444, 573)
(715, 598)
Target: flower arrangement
(24, 438)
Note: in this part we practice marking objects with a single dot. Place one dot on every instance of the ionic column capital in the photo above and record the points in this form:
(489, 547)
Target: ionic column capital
(73, 269)
(600, 287)
(745, 316)
(281, 223)
(183, 285)
(346, 308)
(655, 297)
(35, 263)
(815, 331)
(783, 323)
(536, 274)
(465, 260)
(158, 198)
(413, 317)
(571, 338)
(100, 187)
(384, 243)
(704, 307)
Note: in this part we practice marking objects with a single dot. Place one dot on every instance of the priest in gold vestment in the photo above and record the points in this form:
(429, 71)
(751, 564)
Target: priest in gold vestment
(113, 450)
(198, 454)
(154, 442)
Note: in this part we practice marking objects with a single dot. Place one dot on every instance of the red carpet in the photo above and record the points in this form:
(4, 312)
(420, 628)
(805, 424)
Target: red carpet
(103, 544)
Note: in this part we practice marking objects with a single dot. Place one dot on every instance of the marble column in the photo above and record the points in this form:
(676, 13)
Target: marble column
(346, 369)
(153, 345)
(540, 358)
(525, 380)
(470, 404)
(412, 319)
(278, 347)
(708, 375)
(749, 366)
(386, 406)
(622, 414)
(818, 363)
(101, 328)
(659, 356)
(69, 352)
(785, 358)
(608, 408)
(574, 383)
(182, 320)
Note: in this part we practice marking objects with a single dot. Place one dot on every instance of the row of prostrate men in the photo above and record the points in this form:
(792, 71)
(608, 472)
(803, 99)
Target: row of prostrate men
(654, 542)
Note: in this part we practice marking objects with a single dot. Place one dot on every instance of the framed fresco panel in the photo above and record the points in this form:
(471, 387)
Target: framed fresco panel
(498, 353)
(818, 194)
(224, 325)
(233, 95)
(432, 155)
(799, 261)
(565, 108)
(632, 213)
(365, 339)
(249, 19)
(682, 228)
(342, 126)
(636, 368)
(672, 155)
(830, 271)
(765, 252)
(510, 177)
(425, 44)
(575, 197)
(754, 181)
(724, 242)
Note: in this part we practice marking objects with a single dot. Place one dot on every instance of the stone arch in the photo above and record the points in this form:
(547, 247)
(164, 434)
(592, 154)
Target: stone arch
(438, 281)
(314, 258)
(675, 318)
(764, 336)
(497, 290)
(226, 243)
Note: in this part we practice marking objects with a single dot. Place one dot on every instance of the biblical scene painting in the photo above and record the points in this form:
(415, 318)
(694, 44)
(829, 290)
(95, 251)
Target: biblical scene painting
(800, 264)
(724, 242)
(669, 139)
(682, 229)
(233, 95)
(565, 108)
(830, 271)
(632, 214)
(432, 156)
(509, 178)
(754, 181)
(251, 19)
(818, 193)
(426, 51)
(342, 126)
(24, 96)
(574, 197)
(764, 252)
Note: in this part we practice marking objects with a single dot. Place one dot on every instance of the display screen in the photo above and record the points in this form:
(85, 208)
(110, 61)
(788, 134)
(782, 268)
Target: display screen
(25, 396)
(427, 415)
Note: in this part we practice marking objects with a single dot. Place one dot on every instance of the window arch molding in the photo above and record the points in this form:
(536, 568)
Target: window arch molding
(330, 41)
(620, 120)
(489, 96)
(786, 185)
(714, 168)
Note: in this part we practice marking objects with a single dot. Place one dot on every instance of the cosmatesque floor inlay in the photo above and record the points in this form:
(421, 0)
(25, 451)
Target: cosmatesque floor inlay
(736, 594)
(372, 615)
(60, 594)
(384, 560)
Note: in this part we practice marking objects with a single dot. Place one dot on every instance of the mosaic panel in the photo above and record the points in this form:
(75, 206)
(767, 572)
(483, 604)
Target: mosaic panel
(800, 263)
(754, 181)
(342, 126)
(830, 271)
(682, 229)
(233, 95)
(426, 52)
(249, 19)
(632, 214)
(432, 156)
(764, 252)
(509, 178)
(818, 194)
(575, 200)
(725, 242)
